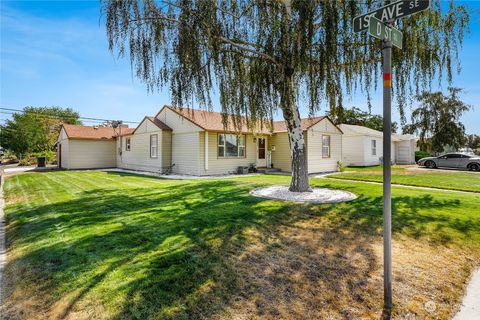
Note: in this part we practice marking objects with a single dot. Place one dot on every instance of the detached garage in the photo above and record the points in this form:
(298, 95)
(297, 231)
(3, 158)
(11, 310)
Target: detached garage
(362, 146)
(85, 147)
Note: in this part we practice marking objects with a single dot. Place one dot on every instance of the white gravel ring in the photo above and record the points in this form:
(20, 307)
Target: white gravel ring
(318, 195)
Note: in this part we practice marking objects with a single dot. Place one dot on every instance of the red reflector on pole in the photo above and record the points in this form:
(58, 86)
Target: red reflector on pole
(387, 80)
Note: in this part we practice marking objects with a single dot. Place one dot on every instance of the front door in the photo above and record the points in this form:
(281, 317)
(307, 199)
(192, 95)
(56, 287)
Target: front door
(261, 152)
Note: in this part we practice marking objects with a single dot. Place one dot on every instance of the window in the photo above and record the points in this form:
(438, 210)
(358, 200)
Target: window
(153, 146)
(454, 156)
(127, 144)
(231, 146)
(374, 147)
(325, 146)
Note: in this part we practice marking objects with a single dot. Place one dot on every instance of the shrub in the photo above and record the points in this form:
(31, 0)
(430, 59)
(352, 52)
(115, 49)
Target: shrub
(31, 159)
(340, 166)
(9, 157)
(421, 154)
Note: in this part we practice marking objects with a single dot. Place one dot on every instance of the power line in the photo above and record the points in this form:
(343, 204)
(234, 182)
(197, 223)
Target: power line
(12, 111)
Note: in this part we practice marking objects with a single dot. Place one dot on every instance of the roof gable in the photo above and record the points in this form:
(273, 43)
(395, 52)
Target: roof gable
(159, 124)
(213, 121)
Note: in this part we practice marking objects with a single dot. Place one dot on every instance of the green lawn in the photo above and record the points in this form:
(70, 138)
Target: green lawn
(109, 245)
(453, 180)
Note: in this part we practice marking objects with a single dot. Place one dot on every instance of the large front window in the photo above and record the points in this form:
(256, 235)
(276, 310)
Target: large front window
(231, 146)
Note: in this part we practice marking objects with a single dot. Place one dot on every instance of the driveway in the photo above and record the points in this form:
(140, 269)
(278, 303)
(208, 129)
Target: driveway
(15, 169)
(424, 169)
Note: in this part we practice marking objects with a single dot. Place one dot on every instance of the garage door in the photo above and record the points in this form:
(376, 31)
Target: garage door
(403, 155)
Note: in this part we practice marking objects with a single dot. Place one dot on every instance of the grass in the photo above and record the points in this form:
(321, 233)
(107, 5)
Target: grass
(105, 245)
(451, 180)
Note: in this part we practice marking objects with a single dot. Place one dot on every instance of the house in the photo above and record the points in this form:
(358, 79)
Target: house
(196, 142)
(363, 146)
(86, 147)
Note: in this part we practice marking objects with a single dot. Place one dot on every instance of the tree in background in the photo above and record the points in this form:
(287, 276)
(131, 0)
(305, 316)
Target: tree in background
(473, 142)
(35, 129)
(437, 120)
(266, 56)
(358, 117)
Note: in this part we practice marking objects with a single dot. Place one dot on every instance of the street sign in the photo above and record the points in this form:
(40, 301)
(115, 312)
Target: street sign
(380, 31)
(390, 12)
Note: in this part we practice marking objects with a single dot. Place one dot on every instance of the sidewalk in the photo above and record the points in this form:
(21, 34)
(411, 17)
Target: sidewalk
(3, 253)
(471, 302)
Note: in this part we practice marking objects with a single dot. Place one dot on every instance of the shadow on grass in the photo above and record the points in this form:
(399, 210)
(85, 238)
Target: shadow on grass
(168, 251)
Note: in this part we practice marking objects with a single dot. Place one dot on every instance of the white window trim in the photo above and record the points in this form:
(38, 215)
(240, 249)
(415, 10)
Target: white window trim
(128, 144)
(225, 146)
(154, 147)
(329, 146)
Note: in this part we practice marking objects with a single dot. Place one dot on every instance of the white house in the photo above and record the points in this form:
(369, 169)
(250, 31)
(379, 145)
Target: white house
(196, 142)
(363, 146)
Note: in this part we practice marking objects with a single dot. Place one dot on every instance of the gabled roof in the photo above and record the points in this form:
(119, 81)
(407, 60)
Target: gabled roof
(307, 123)
(364, 131)
(155, 121)
(213, 121)
(360, 130)
(159, 123)
(74, 131)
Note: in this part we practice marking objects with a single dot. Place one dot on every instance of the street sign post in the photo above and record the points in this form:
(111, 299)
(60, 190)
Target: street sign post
(390, 12)
(380, 31)
(380, 25)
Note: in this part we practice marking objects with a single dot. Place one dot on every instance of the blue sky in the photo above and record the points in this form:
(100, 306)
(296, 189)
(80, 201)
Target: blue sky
(55, 53)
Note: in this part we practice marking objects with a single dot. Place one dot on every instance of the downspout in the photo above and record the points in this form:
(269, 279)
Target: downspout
(206, 150)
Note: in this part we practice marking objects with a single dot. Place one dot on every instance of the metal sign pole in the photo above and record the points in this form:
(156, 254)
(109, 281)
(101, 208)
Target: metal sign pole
(387, 196)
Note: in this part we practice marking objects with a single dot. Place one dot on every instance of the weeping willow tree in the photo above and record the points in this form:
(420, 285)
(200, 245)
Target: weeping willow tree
(265, 56)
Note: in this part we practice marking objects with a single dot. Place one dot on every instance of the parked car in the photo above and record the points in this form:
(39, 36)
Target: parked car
(452, 160)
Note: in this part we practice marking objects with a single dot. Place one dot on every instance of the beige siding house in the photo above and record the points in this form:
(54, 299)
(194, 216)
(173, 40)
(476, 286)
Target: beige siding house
(196, 142)
(323, 140)
(85, 147)
(147, 148)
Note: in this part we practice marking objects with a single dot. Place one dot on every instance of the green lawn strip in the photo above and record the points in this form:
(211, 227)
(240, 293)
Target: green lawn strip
(143, 247)
(461, 181)
(377, 168)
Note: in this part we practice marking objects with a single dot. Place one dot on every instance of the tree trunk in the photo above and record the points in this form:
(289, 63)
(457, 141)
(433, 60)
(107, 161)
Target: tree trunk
(298, 152)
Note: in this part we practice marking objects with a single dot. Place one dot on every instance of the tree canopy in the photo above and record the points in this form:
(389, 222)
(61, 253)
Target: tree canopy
(437, 120)
(35, 129)
(265, 56)
(356, 116)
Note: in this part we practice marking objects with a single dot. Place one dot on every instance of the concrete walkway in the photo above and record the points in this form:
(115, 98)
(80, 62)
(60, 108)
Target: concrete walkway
(470, 309)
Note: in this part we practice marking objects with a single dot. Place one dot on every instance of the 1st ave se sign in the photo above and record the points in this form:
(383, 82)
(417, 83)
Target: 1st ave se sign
(390, 12)
(380, 31)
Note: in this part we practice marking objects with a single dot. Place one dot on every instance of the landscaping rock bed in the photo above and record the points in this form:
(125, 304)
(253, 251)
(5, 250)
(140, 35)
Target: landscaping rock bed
(318, 195)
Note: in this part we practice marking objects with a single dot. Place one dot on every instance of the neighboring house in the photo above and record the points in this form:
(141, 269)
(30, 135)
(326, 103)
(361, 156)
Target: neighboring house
(363, 146)
(86, 147)
(196, 142)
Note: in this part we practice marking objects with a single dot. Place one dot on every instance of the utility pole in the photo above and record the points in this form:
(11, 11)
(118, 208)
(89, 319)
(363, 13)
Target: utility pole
(387, 174)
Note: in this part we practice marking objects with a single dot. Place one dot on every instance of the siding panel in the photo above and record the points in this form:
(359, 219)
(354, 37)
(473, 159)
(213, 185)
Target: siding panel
(91, 154)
